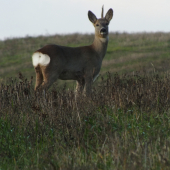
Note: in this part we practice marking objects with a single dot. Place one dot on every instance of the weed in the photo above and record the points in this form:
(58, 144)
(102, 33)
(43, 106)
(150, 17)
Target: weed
(123, 125)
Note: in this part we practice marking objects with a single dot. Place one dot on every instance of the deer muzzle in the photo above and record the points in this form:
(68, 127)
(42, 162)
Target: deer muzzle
(103, 31)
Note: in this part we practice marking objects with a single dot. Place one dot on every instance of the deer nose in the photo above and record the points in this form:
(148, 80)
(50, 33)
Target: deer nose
(103, 31)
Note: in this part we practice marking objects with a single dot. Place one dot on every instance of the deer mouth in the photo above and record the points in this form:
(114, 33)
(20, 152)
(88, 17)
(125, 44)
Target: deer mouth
(103, 31)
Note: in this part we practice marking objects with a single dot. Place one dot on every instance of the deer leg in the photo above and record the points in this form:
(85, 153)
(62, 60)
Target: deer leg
(39, 77)
(48, 81)
(49, 77)
(88, 86)
(80, 86)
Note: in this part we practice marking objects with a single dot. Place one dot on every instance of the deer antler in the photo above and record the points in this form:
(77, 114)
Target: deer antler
(102, 11)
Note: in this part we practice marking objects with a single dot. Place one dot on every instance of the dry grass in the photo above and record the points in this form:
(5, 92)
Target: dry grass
(123, 125)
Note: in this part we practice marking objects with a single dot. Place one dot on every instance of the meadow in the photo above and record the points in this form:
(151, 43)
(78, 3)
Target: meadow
(126, 53)
(124, 125)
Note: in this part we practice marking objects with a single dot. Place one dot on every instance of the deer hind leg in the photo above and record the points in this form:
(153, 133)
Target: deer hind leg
(49, 77)
(39, 77)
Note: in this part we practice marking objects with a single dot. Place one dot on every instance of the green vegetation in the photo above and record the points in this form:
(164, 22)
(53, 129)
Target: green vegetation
(126, 52)
(125, 124)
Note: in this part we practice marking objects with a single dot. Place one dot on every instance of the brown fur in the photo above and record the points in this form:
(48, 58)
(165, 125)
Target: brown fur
(81, 63)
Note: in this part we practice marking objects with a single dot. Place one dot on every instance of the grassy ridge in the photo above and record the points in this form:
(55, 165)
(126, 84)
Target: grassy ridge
(126, 52)
(125, 124)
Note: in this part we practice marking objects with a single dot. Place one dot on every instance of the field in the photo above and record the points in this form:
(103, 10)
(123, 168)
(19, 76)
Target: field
(125, 124)
(126, 53)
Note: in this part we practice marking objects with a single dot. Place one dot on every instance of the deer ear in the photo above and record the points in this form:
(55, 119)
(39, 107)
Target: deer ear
(92, 17)
(109, 14)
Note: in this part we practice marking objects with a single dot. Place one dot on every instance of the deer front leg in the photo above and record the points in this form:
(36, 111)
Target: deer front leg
(80, 86)
(88, 86)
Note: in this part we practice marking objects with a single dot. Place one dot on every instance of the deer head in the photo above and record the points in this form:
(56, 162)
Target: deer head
(101, 24)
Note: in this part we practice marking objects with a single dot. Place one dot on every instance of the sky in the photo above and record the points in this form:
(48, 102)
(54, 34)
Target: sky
(20, 18)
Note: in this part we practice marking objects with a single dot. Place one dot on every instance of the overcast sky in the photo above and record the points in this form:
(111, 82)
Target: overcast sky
(19, 18)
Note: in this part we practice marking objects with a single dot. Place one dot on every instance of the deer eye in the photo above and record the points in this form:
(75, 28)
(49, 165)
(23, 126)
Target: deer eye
(97, 25)
(107, 23)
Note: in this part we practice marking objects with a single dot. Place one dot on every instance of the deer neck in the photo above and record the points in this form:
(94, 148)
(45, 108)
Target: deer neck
(100, 46)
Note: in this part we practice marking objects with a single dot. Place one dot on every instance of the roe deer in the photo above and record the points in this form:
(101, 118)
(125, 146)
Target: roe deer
(82, 64)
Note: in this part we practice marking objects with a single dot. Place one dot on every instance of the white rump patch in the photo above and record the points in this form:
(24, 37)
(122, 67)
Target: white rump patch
(95, 77)
(39, 58)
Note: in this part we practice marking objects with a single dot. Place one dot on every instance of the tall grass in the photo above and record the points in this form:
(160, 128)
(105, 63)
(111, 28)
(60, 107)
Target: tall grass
(123, 125)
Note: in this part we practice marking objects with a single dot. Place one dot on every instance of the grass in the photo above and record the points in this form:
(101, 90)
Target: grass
(125, 52)
(125, 124)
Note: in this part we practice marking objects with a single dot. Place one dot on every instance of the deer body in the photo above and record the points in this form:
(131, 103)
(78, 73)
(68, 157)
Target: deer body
(82, 64)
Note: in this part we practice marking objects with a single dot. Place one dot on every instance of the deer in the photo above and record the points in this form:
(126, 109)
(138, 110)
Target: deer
(82, 64)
